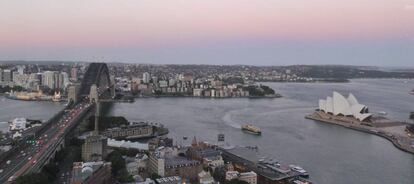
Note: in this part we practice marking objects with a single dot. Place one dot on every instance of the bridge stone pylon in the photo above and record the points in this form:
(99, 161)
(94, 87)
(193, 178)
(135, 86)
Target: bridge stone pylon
(93, 94)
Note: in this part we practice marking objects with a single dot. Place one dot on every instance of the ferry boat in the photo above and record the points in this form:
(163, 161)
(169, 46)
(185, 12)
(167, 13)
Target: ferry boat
(251, 129)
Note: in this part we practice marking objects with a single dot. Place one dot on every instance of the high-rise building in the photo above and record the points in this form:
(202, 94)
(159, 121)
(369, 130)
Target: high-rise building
(20, 79)
(57, 81)
(74, 74)
(72, 93)
(65, 79)
(39, 77)
(61, 80)
(1, 75)
(48, 79)
(14, 76)
(20, 69)
(7, 76)
(146, 77)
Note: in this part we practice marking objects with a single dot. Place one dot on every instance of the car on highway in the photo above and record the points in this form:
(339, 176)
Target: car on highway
(8, 162)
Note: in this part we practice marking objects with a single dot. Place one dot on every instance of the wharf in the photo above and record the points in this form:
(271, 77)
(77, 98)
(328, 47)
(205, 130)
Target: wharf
(269, 171)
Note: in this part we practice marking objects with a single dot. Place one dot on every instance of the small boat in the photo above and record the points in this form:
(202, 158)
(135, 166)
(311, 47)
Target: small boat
(383, 113)
(412, 92)
(251, 129)
(302, 172)
(185, 138)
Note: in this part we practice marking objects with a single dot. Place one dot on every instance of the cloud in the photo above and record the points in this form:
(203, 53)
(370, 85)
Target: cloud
(409, 7)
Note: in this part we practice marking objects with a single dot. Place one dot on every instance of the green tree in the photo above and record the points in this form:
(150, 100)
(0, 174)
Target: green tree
(17, 88)
(219, 174)
(50, 170)
(33, 178)
(154, 176)
(119, 167)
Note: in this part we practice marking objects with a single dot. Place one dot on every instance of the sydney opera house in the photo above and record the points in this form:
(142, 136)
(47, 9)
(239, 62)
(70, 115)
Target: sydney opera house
(338, 105)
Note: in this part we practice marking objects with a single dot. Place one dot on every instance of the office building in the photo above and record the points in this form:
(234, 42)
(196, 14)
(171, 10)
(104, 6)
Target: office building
(94, 148)
(74, 74)
(48, 79)
(7, 76)
(146, 77)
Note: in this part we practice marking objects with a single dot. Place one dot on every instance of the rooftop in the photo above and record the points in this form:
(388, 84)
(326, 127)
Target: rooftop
(252, 159)
(171, 162)
(169, 179)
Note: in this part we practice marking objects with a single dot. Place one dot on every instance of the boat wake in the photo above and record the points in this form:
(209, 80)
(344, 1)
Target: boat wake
(228, 121)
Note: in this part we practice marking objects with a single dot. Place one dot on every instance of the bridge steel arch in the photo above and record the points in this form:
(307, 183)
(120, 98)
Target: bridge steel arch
(97, 73)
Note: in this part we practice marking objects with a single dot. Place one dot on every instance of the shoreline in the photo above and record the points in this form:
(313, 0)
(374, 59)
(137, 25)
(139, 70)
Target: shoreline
(370, 130)
(34, 100)
(208, 97)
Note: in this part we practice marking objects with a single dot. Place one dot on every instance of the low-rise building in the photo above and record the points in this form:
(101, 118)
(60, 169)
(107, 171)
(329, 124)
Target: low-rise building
(91, 173)
(147, 181)
(205, 178)
(249, 177)
(197, 92)
(181, 166)
(206, 154)
(136, 130)
(170, 180)
(165, 161)
(18, 124)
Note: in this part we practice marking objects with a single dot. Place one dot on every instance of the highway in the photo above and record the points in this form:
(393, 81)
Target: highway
(20, 163)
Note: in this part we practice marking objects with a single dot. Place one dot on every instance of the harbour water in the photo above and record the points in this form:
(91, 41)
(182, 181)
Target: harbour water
(331, 154)
(37, 110)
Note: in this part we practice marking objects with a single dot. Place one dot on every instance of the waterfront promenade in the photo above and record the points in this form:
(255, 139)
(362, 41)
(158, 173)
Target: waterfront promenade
(395, 134)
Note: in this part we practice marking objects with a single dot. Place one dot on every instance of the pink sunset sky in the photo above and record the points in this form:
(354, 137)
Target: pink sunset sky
(144, 30)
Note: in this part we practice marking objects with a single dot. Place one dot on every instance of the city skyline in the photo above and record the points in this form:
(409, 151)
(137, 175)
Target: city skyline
(378, 33)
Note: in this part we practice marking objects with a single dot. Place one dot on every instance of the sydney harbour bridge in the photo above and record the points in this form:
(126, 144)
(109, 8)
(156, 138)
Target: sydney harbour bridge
(96, 86)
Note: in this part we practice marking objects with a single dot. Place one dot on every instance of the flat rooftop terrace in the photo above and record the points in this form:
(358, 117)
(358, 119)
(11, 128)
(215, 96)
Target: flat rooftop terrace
(252, 159)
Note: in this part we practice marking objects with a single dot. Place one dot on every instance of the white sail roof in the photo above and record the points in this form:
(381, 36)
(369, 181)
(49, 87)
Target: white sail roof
(322, 105)
(352, 100)
(329, 104)
(339, 105)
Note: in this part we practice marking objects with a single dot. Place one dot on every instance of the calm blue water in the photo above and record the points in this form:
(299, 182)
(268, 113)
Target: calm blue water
(331, 154)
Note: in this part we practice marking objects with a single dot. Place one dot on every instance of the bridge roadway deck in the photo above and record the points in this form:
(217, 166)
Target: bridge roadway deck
(32, 157)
